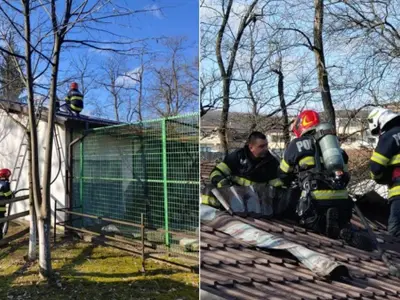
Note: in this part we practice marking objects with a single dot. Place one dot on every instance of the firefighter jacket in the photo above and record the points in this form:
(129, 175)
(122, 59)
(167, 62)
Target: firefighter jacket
(241, 168)
(74, 100)
(5, 193)
(299, 158)
(385, 161)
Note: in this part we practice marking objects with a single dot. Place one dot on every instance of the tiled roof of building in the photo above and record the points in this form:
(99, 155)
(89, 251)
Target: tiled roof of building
(234, 270)
(231, 269)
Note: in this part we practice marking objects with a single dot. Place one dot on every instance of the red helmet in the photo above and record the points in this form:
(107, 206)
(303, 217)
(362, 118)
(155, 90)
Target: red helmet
(74, 86)
(305, 121)
(5, 173)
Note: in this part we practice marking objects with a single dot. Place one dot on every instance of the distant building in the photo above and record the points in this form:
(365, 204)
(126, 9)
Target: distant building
(351, 127)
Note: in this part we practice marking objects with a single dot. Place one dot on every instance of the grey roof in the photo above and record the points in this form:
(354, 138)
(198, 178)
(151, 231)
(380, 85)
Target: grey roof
(350, 113)
(90, 119)
(61, 117)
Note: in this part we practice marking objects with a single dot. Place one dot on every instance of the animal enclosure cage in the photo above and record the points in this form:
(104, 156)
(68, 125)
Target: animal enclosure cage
(152, 167)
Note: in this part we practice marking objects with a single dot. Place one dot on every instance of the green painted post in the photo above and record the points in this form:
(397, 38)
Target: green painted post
(165, 182)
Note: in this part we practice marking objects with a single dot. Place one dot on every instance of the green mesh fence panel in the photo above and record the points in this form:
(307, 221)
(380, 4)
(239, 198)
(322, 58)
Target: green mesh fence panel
(122, 171)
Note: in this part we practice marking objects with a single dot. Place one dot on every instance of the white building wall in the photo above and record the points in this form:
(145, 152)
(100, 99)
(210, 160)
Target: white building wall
(11, 137)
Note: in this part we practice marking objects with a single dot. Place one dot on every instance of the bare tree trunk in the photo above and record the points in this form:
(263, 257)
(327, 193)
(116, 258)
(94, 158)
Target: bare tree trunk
(282, 102)
(320, 61)
(254, 108)
(225, 81)
(116, 110)
(44, 217)
(31, 109)
(226, 74)
(140, 98)
(32, 253)
(222, 130)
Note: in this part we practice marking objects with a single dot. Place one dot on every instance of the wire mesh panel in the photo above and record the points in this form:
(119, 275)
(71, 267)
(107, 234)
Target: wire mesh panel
(152, 167)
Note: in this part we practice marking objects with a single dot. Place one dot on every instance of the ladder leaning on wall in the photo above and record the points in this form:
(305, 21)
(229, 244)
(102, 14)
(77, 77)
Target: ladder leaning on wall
(20, 160)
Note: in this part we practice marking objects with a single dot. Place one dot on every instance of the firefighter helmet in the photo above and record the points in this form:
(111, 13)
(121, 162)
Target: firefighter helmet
(378, 118)
(306, 121)
(5, 173)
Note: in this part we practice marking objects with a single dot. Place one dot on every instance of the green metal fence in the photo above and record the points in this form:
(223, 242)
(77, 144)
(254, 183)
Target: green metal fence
(152, 167)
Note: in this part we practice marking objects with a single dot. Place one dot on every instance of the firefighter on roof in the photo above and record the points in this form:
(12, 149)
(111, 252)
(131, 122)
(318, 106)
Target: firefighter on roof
(316, 162)
(251, 164)
(5, 193)
(73, 100)
(385, 160)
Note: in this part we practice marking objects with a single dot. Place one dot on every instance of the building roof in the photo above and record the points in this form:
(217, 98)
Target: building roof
(61, 117)
(241, 122)
(233, 270)
(351, 113)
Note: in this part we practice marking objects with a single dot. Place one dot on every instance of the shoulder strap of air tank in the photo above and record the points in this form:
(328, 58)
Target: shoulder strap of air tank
(317, 155)
(321, 133)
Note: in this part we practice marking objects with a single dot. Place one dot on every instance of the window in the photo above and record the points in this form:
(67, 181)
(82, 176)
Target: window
(276, 138)
(205, 148)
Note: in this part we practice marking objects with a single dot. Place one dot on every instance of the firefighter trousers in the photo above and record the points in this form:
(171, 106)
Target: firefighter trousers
(318, 223)
(2, 215)
(394, 217)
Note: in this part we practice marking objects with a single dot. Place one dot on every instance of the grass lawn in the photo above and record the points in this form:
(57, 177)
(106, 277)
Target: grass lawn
(86, 271)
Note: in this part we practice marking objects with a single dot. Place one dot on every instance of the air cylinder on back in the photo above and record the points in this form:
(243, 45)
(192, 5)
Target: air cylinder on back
(330, 148)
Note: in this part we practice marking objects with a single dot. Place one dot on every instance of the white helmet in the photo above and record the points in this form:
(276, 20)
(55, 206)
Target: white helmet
(378, 118)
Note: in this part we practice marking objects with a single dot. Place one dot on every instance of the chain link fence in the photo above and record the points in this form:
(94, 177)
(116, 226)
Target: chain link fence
(151, 168)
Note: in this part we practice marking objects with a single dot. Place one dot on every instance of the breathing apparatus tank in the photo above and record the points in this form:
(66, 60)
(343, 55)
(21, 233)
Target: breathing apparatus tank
(330, 149)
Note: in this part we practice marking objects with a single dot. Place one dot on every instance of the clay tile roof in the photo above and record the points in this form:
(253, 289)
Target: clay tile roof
(230, 269)
(233, 270)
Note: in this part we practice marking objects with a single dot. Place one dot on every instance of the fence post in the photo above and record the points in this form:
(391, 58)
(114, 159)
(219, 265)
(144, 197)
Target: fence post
(81, 176)
(165, 183)
(142, 233)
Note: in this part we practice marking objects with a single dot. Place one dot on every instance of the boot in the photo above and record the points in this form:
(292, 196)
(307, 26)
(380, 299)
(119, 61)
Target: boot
(332, 223)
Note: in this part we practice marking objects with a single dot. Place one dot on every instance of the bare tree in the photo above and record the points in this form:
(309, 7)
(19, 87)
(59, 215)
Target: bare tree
(11, 83)
(318, 49)
(114, 69)
(281, 92)
(368, 31)
(175, 86)
(84, 73)
(261, 70)
(126, 88)
(226, 66)
(255, 72)
(140, 89)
